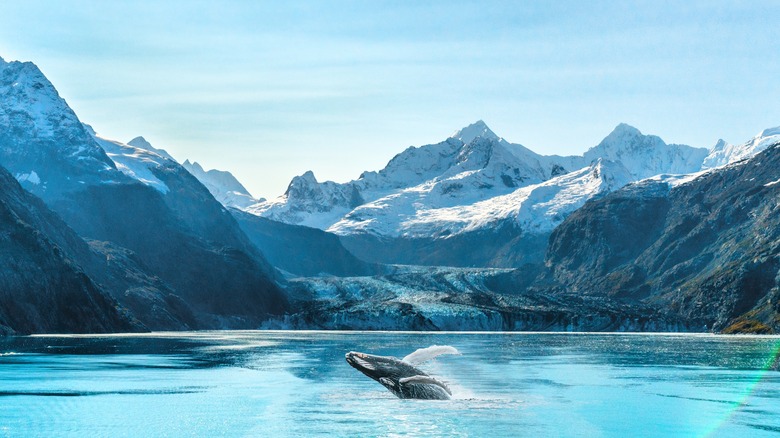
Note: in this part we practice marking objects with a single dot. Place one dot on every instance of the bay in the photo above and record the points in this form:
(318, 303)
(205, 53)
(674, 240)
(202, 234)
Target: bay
(277, 383)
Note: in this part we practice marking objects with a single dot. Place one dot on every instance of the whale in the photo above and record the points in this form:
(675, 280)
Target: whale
(400, 376)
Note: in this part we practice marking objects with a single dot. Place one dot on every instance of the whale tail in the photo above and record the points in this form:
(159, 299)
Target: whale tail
(423, 355)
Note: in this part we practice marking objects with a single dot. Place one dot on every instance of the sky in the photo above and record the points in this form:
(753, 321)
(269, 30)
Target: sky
(269, 90)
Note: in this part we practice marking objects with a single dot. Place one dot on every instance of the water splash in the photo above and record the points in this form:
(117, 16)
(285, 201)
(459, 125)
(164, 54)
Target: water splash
(423, 355)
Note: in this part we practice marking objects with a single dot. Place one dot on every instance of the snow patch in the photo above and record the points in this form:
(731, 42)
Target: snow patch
(135, 162)
(31, 177)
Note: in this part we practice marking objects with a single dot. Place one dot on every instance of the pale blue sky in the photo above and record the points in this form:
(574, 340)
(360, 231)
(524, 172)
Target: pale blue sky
(270, 90)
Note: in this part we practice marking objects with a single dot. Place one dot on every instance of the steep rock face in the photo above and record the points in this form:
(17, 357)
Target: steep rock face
(505, 246)
(183, 236)
(302, 251)
(146, 203)
(42, 142)
(223, 186)
(706, 249)
(42, 289)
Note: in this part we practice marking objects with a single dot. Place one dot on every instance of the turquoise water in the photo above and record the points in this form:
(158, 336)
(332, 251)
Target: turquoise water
(298, 384)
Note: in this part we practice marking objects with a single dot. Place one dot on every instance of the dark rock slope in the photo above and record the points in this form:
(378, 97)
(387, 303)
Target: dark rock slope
(707, 250)
(42, 288)
(182, 240)
(302, 251)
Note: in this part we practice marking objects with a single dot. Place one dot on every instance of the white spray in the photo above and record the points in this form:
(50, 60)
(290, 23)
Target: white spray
(423, 355)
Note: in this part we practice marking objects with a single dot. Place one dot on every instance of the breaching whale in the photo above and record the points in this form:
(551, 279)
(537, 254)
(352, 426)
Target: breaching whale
(401, 376)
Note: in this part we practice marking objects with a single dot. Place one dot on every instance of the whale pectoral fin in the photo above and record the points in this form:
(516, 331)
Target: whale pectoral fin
(422, 355)
(424, 380)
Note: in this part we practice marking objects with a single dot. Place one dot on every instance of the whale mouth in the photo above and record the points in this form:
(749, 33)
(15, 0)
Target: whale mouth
(359, 361)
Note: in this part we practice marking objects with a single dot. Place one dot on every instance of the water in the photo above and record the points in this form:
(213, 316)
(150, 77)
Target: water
(298, 384)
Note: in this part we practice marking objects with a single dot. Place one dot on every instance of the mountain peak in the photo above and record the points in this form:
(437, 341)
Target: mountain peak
(309, 176)
(625, 135)
(193, 166)
(475, 130)
(624, 129)
(141, 143)
(719, 145)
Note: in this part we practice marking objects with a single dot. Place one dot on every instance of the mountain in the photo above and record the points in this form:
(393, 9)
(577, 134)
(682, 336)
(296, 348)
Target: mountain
(42, 142)
(723, 153)
(42, 288)
(705, 248)
(646, 155)
(137, 201)
(691, 252)
(223, 186)
(474, 199)
(302, 251)
(141, 143)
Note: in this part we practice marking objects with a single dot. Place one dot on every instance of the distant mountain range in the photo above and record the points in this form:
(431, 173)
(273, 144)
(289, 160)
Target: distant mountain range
(476, 200)
(635, 234)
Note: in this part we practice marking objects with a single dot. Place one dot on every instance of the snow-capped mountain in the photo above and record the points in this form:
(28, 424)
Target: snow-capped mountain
(536, 208)
(223, 186)
(704, 248)
(646, 155)
(137, 205)
(42, 142)
(141, 143)
(723, 153)
(135, 162)
(473, 181)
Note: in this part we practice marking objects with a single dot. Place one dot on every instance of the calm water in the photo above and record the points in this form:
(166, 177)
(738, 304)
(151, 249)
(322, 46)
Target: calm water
(298, 384)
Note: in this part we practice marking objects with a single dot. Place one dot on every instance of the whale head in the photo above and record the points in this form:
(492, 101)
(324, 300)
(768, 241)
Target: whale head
(379, 367)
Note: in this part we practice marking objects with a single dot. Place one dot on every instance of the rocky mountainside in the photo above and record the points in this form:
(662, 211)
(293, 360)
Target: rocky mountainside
(135, 199)
(42, 288)
(302, 251)
(696, 252)
(42, 142)
(635, 234)
(707, 248)
(223, 186)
